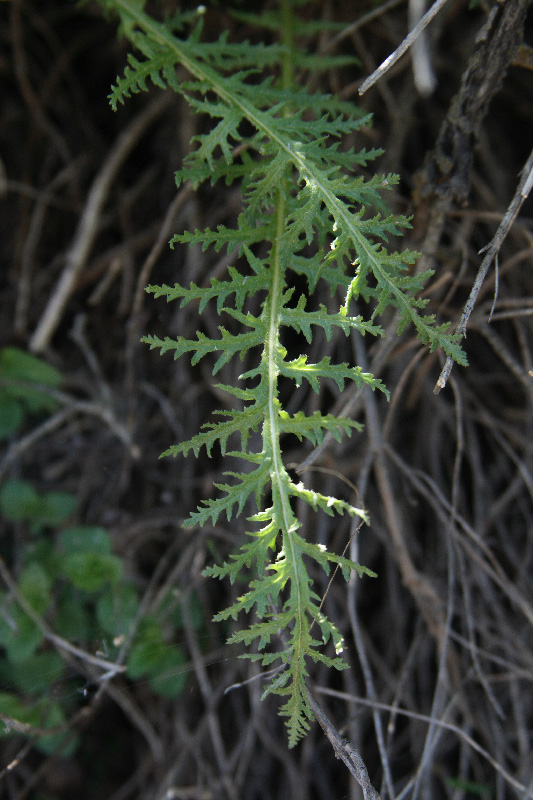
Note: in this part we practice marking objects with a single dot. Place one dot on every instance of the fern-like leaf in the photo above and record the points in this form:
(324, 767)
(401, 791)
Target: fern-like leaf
(305, 212)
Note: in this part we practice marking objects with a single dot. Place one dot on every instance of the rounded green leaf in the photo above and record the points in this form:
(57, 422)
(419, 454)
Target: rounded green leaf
(42, 551)
(35, 585)
(19, 501)
(144, 659)
(170, 678)
(117, 609)
(17, 364)
(37, 673)
(32, 399)
(19, 635)
(153, 658)
(56, 507)
(91, 571)
(85, 539)
(11, 415)
(72, 620)
(147, 650)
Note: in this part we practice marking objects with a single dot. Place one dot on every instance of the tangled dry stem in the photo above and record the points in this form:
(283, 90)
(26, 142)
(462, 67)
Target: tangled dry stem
(439, 695)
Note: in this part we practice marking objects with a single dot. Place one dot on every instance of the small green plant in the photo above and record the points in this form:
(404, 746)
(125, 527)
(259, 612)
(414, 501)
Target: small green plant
(306, 223)
(70, 577)
(24, 379)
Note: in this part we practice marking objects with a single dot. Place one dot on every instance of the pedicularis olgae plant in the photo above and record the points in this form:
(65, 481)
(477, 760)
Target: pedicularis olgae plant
(306, 219)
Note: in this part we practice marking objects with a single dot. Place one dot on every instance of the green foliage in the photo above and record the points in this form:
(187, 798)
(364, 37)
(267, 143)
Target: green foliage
(24, 379)
(21, 502)
(151, 658)
(45, 713)
(86, 558)
(71, 578)
(313, 217)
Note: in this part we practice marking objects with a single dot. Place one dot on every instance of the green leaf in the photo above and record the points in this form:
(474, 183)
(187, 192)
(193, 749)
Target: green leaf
(12, 706)
(65, 742)
(298, 369)
(302, 320)
(306, 211)
(20, 365)
(35, 586)
(228, 344)
(117, 609)
(326, 503)
(162, 663)
(56, 508)
(91, 571)
(21, 374)
(19, 501)
(148, 649)
(235, 494)
(85, 539)
(169, 678)
(19, 635)
(72, 619)
(145, 657)
(11, 415)
(36, 674)
(45, 713)
(241, 422)
(313, 427)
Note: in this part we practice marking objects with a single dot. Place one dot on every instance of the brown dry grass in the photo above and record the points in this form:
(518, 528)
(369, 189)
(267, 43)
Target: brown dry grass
(438, 699)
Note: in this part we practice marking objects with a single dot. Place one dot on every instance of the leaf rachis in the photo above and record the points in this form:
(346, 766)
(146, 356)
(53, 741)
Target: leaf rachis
(304, 204)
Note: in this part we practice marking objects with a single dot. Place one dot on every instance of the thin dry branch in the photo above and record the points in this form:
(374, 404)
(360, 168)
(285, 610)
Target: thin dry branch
(89, 223)
(409, 40)
(345, 751)
(441, 723)
(492, 251)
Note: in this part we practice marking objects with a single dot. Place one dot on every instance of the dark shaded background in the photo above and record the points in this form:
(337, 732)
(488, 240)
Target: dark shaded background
(438, 698)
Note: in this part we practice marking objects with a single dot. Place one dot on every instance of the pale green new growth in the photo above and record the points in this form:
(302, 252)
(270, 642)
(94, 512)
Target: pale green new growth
(302, 200)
